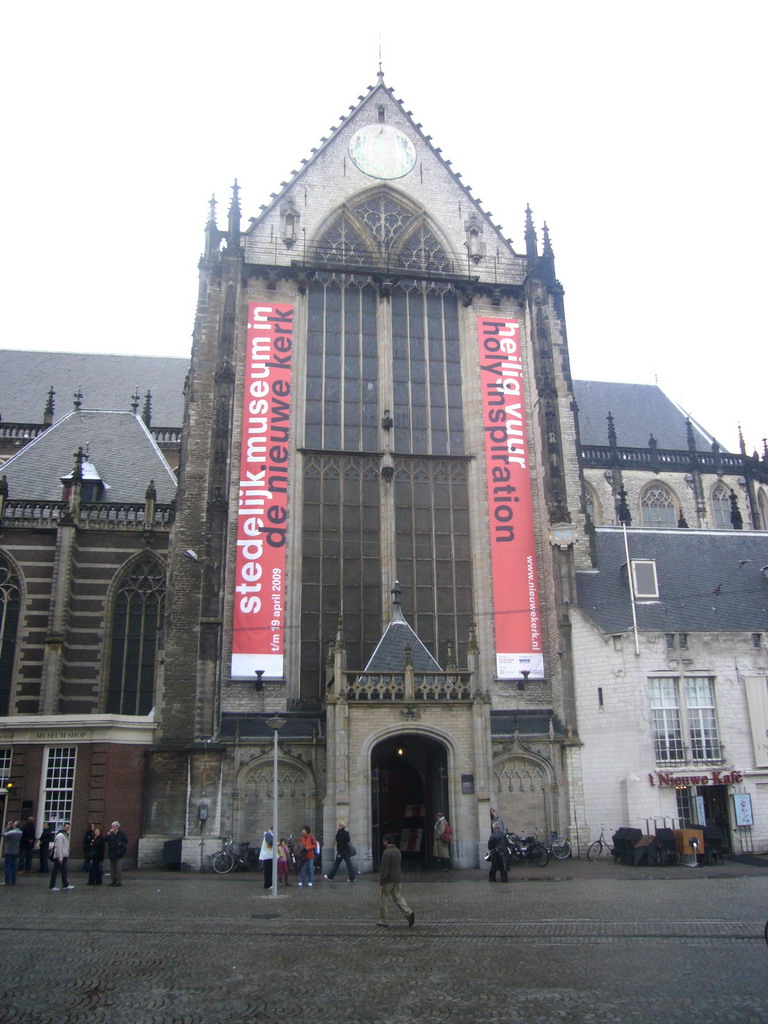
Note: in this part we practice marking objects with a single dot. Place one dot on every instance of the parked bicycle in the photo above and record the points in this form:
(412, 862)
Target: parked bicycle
(293, 857)
(528, 848)
(558, 846)
(600, 846)
(233, 856)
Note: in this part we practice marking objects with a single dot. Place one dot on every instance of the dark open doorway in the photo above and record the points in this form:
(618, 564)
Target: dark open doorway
(408, 785)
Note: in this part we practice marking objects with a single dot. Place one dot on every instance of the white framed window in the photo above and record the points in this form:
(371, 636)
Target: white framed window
(5, 764)
(702, 721)
(684, 720)
(645, 584)
(59, 785)
(665, 720)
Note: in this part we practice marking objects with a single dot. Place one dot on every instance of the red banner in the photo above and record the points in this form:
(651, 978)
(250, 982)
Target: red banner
(513, 548)
(258, 635)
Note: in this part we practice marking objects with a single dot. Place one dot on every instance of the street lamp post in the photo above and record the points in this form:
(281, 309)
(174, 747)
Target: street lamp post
(276, 724)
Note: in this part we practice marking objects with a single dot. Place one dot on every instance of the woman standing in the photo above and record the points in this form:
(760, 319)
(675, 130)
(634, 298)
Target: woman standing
(308, 848)
(96, 857)
(265, 856)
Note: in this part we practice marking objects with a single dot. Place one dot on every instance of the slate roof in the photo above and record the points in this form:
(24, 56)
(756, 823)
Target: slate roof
(389, 655)
(119, 446)
(639, 410)
(709, 581)
(106, 381)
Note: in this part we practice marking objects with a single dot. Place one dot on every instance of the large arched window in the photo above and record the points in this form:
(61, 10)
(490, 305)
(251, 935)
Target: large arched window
(721, 507)
(657, 506)
(137, 619)
(592, 506)
(10, 611)
(381, 226)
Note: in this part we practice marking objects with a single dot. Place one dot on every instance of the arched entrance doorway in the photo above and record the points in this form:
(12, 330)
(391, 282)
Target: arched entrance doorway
(409, 783)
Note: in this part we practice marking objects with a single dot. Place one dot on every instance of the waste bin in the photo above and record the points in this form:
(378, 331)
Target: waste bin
(172, 854)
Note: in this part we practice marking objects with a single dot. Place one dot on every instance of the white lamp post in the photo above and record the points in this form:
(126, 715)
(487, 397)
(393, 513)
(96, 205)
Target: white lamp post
(276, 724)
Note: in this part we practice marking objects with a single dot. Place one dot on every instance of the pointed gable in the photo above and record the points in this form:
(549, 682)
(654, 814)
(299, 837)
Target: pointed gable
(378, 176)
(398, 645)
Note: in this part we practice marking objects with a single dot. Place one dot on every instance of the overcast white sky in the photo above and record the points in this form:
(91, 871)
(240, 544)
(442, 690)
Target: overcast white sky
(637, 131)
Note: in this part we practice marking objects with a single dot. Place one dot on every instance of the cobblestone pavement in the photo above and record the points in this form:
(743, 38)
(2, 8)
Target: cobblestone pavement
(574, 941)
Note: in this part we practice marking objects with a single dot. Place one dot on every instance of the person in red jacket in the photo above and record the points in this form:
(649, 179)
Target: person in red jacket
(307, 850)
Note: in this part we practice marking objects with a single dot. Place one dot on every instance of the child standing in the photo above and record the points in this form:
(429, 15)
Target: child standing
(282, 863)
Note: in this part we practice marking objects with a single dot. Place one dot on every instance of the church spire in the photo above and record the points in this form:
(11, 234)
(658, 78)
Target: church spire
(211, 228)
(146, 414)
(547, 245)
(531, 242)
(233, 221)
(48, 413)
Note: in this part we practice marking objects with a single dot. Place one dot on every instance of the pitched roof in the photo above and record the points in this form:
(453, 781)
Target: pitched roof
(390, 652)
(638, 410)
(709, 581)
(106, 382)
(118, 444)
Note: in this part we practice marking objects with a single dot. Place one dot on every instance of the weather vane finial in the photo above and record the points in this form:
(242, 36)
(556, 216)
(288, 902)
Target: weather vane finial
(381, 73)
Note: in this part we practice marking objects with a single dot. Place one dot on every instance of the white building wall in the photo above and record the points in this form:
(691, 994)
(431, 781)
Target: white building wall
(617, 757)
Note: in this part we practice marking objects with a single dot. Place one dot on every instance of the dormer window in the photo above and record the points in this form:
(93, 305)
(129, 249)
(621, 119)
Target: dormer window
(92, 487)
(645, 585)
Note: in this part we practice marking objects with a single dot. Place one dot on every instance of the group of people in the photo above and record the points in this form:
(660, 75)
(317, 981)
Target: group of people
(54, 850)
(309, 856)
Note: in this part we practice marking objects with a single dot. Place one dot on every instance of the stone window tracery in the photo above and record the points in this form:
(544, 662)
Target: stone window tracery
(657, 506)
(384, 217)
(341, 243)
(422, 251)
(721, 507)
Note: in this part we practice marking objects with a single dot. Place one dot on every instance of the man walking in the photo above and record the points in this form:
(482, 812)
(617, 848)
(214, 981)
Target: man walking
(60, 858)
(391, 877)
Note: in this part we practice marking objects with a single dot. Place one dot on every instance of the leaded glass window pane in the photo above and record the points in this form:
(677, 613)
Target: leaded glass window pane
(665, 720)
(59, 785)
(10, 611)
(137, 620)
(721, 507)
(658, 507)
(341, 568)
(702, 722)
(342, 368)
(426, 377)
(433, 551)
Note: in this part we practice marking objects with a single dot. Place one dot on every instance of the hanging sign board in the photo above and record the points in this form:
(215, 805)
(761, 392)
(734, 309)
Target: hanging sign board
(258, 635)
(517, 619)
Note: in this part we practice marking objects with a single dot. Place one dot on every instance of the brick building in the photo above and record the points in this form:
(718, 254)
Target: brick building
(395, 529)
